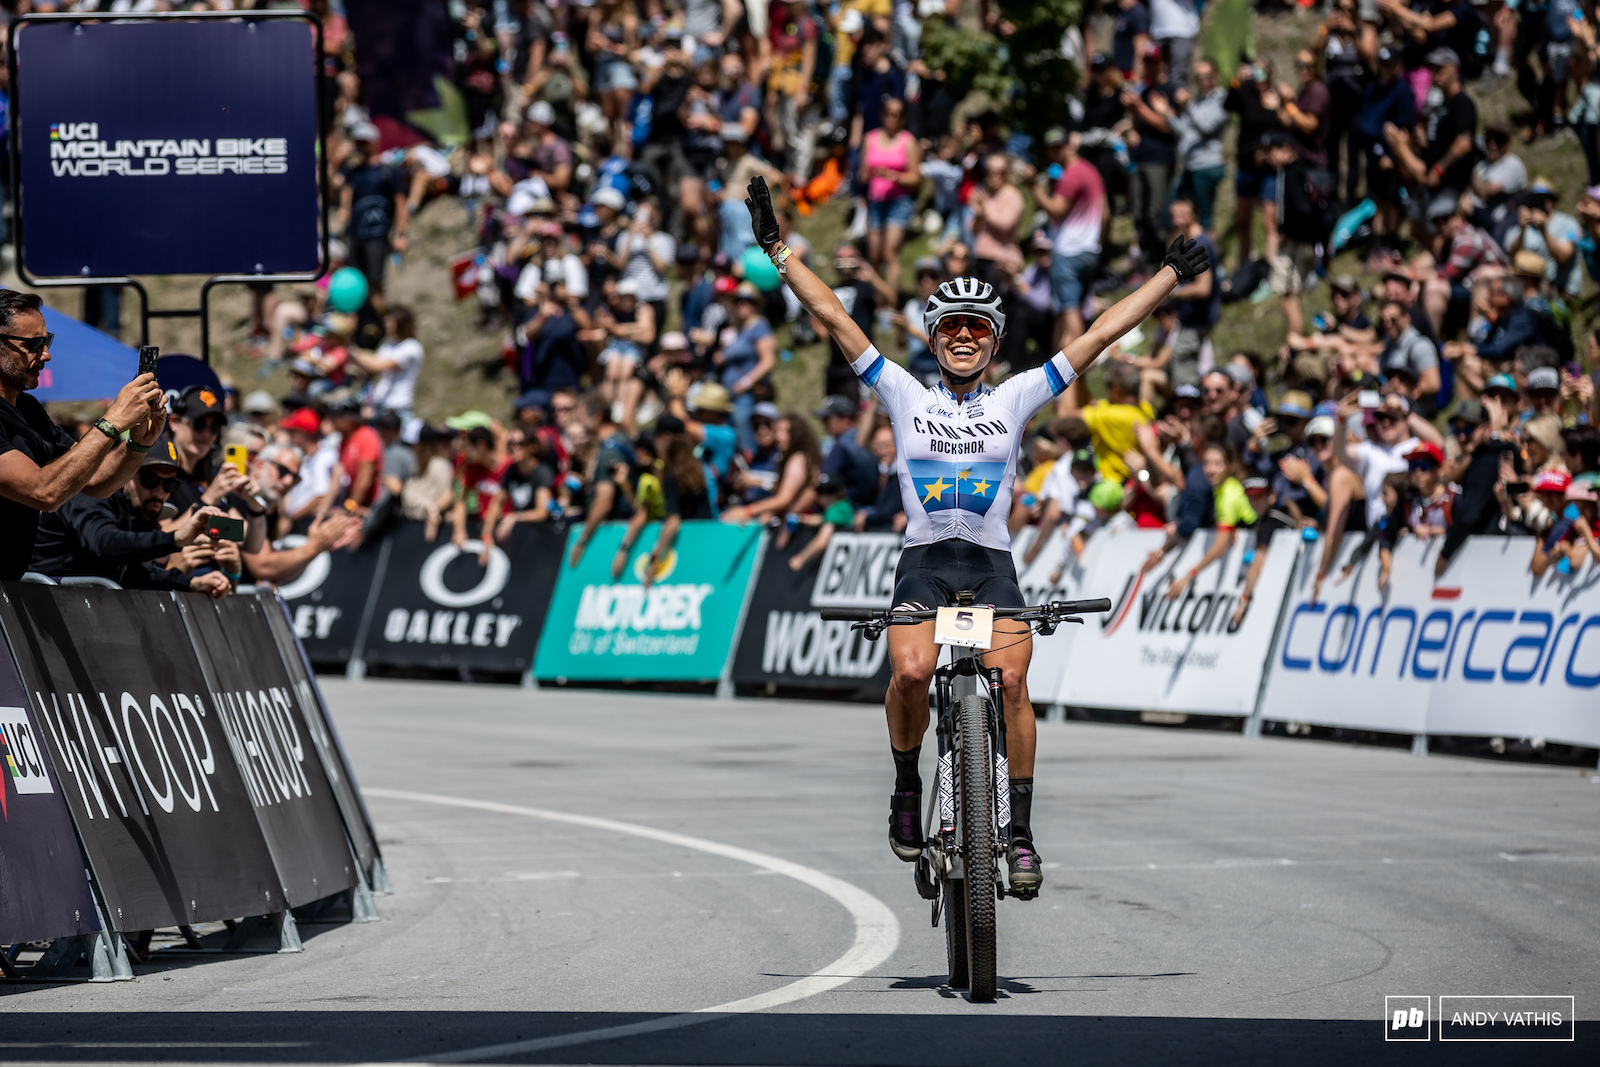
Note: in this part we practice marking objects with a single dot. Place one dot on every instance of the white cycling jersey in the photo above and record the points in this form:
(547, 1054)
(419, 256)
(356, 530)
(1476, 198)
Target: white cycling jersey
(957, 459)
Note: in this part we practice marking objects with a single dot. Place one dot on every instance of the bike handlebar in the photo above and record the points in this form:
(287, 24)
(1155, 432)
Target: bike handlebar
(892, 617)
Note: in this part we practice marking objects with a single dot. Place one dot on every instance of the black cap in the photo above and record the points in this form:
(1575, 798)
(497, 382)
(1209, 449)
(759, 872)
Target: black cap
(349, 408)
(828, 483)
(162, 454)
(197, 401)
(669, 424)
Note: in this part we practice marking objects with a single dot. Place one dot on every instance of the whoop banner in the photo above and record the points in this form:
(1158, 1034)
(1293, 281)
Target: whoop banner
(438, 606)
(43, 891)
(141, 755)
(785, 640)
(168, 147)
(679, 628)
(272, 743)
(1163, 653)
(1484, 649)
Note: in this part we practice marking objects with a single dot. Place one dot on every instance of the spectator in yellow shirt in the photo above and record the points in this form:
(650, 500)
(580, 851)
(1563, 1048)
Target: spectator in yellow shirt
(1114, 421)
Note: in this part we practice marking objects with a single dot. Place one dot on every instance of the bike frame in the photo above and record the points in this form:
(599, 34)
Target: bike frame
(964, 675)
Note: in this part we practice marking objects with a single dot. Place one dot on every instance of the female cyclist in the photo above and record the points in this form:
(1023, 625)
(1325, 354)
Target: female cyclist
(956, 454)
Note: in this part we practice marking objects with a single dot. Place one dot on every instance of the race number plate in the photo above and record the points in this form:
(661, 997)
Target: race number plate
(967, 627)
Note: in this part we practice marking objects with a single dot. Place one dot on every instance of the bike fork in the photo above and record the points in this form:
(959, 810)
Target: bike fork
(1002, 772)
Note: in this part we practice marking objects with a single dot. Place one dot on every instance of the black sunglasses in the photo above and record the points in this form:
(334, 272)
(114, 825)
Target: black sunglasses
(208, 424)
(285, 472)
(1424, 465)
(31, 345)
(150, 479)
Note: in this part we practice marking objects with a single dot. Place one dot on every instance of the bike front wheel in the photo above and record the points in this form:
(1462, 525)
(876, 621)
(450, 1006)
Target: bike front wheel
(978, 844)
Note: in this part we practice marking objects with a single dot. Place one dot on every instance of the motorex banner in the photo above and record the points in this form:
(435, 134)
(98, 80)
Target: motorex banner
(1484, 648)
(168, 147)
(1163, 652)
(680, 627)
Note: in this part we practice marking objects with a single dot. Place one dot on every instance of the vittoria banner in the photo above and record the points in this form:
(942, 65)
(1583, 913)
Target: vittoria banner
(142, 755)
(43, 890)
(786, 642)
(168, 147)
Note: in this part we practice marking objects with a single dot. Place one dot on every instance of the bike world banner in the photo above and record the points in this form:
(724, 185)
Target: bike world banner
(327, 601)
(1483, 649)
(43, 891)
(141, 755)
(679, 628)
(439, 607)
(1152, 652)
(1052, 573)
(273, 745)
(125, 128)
(319, 727)
(785, 641)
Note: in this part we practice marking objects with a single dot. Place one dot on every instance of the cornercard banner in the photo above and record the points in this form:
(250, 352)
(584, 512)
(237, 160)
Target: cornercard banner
(327, 600)
(141, 755)
(439, 606)
(785, 640)
(319, 727)
(1485, 648)
(124, 128)
(1158, 652)
(680, 627)
(43, 890)
(268, 736)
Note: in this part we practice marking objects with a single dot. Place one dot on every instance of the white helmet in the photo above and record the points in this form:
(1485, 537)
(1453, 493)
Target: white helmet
(964, 296)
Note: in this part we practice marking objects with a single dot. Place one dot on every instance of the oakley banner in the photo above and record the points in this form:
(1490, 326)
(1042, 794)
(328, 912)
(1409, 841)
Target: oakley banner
(327, 600)
(319, 727)
(681, 627)
(272, 744)
(1166, 648)
(168, 147)
(43, 890)
(785, 640)
(1485, 648)
(141, 755)
(441, 606)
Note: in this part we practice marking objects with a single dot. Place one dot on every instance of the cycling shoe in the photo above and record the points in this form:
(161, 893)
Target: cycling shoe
(1025, 869)
(905, 825)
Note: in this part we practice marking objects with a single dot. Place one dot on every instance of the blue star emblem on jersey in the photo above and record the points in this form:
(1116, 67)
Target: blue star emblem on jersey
(945, 484)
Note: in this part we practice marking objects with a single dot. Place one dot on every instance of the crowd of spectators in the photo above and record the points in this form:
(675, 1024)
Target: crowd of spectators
(603, 182)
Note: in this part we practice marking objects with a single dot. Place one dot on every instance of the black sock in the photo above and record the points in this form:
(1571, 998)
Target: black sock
(907, 779)
(1022, 809)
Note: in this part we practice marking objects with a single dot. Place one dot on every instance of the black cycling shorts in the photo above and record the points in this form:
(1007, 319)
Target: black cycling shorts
(930, 576)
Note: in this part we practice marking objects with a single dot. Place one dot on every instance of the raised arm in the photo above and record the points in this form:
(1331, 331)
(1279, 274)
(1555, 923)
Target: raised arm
(1186, 260)
(813, 294)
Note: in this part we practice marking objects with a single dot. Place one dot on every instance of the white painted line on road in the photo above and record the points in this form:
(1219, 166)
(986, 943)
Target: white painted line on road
(877, 930)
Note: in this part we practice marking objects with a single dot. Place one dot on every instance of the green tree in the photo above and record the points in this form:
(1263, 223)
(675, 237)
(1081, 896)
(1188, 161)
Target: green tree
(1042, 77)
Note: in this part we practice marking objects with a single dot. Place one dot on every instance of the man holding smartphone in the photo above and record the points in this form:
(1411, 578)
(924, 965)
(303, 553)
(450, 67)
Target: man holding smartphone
(41, 467)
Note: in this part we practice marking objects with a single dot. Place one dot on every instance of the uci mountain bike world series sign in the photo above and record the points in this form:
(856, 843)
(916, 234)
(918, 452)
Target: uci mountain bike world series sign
(168, 147)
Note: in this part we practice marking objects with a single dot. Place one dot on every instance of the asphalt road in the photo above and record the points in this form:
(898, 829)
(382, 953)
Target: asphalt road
(1208, 899)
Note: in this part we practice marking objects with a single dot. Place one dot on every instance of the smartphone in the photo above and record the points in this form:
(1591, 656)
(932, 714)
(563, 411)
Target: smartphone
(147, 359)
(560, 41)
(237, 457)
(225, 528)
(1516, 488)
(1369, 398)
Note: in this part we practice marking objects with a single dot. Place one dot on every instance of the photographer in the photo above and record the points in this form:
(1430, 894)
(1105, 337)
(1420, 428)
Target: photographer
(203, 479)
(120, 536)
(41, 467)
(277, 470)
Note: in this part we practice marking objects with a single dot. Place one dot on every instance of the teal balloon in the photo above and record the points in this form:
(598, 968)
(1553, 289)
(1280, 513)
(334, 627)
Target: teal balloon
(347, 290)
(759, 271)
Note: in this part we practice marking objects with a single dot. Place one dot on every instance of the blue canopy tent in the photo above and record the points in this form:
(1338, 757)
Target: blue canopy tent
(85, 364)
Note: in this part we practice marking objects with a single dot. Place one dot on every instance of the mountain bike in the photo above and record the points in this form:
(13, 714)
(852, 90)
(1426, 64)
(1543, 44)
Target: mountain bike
(969, 811)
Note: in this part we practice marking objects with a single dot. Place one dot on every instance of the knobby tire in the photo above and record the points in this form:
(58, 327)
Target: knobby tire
(977, 844)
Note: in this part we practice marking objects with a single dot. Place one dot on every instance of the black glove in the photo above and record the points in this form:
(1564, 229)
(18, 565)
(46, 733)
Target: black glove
(1187, 258)
(763, 223)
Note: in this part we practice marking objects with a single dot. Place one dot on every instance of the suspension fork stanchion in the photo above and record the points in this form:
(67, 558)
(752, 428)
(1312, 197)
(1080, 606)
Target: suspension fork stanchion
(1002, 773)
(947, 809)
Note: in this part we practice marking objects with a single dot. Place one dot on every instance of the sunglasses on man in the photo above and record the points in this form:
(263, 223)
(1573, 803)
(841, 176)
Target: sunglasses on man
(1424, 465)
(952, 325)
(32, 345)
(285, 472)
(150, 480)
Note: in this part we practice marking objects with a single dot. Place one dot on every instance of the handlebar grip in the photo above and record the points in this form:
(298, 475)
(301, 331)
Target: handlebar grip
(859, 614)
(1082, 607)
